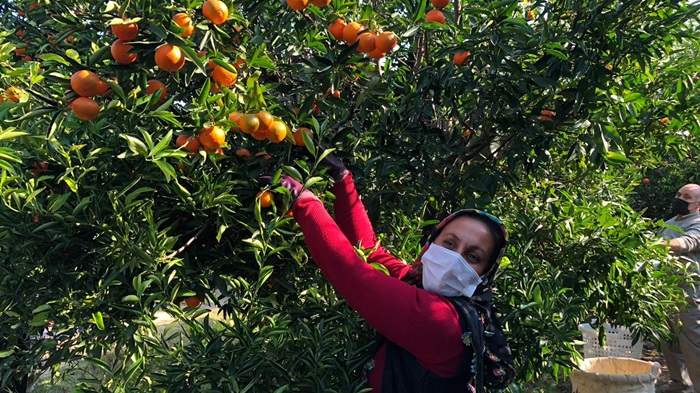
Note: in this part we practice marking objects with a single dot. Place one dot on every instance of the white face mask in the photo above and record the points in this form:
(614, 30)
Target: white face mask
(446, 273)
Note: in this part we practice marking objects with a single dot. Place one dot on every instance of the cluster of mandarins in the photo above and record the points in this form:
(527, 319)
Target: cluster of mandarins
(169, 58)
(437, 15)
(211, 138)
(375, 45)
(261, 126)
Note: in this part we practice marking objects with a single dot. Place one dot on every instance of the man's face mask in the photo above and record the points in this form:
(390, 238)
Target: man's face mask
(446, 273)
(680, 206)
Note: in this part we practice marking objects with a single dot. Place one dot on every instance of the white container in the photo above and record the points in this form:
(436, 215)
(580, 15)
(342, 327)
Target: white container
(618, 342)
(615, 375)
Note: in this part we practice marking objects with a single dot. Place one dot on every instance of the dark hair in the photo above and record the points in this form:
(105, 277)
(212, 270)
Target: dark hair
(499, 240)
(413, 276)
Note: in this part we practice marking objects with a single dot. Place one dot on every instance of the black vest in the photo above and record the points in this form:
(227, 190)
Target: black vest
(404, 374)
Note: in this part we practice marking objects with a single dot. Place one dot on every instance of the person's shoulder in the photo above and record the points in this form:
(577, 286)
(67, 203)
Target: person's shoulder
(694, 219)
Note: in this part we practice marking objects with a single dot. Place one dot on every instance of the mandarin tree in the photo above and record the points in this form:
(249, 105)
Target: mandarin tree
(149, 195)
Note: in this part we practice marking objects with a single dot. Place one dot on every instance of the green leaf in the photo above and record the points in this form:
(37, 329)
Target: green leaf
(166, 168)
(293, 172)
(54, 57)
(134, 194)
(311, 181)
(136, 145)
(58, 202)
(134, 367)
(42, 308)
(162, 144)
(9, 133)
(130, 299)
(71, 183)
(617, 158)
(82, 205)
(6, 353)
(97, 320)
(633, 97)
(99, 364)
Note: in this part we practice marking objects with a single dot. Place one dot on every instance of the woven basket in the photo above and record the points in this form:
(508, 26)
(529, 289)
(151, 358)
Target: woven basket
(615, 375)
(618, 342)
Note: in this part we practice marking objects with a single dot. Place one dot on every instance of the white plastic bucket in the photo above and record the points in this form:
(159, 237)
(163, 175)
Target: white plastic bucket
(615, 375)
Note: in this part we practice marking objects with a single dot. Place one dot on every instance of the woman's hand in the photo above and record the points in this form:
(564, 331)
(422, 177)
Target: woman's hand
(336, 168)
(295, 187)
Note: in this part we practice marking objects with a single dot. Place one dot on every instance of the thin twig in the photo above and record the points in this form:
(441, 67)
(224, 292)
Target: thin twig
(188, 243)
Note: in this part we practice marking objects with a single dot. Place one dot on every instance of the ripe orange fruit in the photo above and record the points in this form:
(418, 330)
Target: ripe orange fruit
(223, 76)
(184, 21)
(664, 120)
(86, 83)
(320, 3)
(263, 154)
(297, 5)
(20, 33)
(120, 52)
(351, 31)
(460, 58)
(85, 108)
(366, 44)
(235, 117)
(386, 41)
(329, 91)
(193, 301)
(125, 31)
(266, 120)
(39, 167)
(298, 135)
(336, 28)
(376, 54)
(242, 152)
(12, 93)
(153, 86)
(216, 11)
(530, 15)
(259, 135)
(435, 16)
(238, 65)
(212, 138)
(466, 133)
(104, 87)
(20, 51)
(547, 115)
(169, 58)
(190, 142)
(277, 132)
(440, 3)
(266, 198)
(249, 123)
(645, 180)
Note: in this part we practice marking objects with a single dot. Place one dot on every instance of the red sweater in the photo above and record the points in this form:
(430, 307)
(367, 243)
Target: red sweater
(423, 323)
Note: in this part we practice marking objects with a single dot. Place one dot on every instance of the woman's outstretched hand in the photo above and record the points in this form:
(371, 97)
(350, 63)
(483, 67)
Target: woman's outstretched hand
(335, 167)
(294, 186)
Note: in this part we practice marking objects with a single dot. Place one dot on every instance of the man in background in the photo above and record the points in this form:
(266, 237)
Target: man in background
(683, 356)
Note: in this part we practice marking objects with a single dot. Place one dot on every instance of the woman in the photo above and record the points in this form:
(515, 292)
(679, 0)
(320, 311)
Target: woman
(437, 329)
